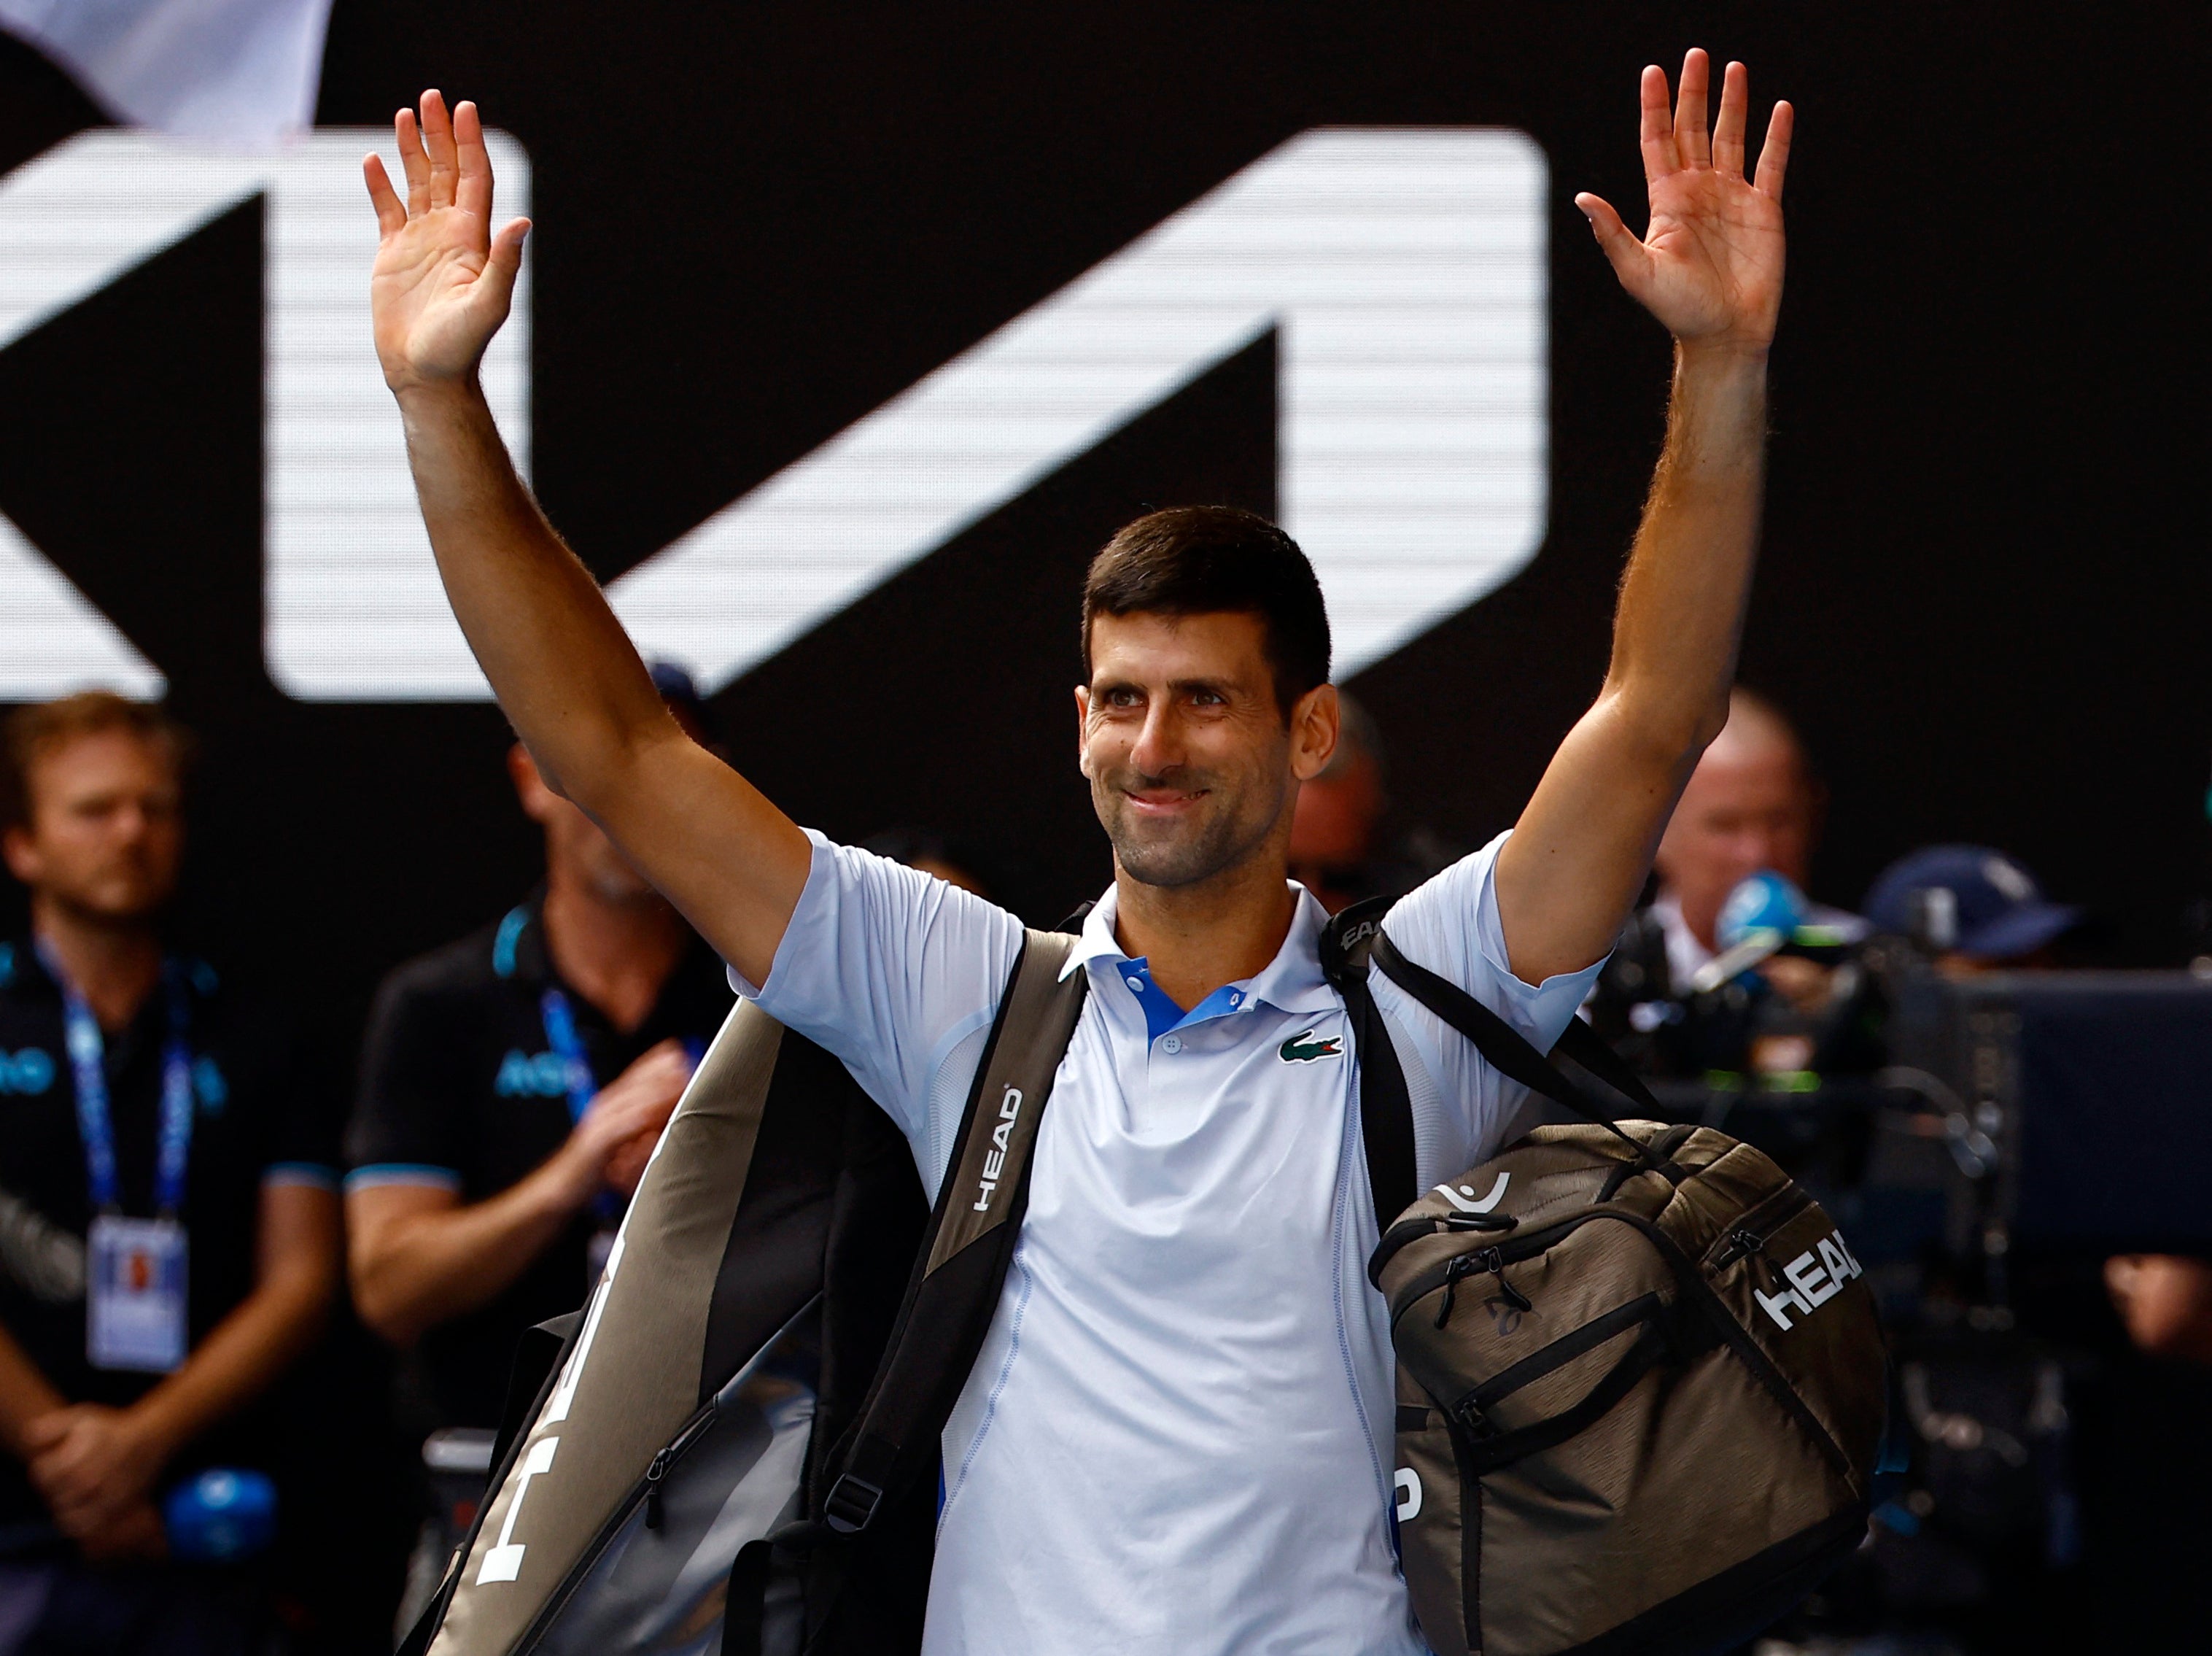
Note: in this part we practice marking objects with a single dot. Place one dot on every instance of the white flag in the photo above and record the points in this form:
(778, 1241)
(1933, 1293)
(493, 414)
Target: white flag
(242, 71)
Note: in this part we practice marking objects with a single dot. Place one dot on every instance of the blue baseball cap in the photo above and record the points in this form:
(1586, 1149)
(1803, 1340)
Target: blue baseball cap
(2001, 912)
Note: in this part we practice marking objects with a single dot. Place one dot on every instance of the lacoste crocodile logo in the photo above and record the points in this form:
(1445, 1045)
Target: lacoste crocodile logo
(1302, 1048)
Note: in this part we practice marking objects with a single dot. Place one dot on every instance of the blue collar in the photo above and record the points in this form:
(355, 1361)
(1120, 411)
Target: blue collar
(1292, 982)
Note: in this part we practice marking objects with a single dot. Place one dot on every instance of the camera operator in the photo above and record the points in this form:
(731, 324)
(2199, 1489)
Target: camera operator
(174, 1238)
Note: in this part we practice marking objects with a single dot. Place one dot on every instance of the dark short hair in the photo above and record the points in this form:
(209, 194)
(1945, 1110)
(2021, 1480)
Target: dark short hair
(35, 731)
(1215, 560)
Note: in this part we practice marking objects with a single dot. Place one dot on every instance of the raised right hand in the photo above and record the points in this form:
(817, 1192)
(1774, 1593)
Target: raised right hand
(442, 280)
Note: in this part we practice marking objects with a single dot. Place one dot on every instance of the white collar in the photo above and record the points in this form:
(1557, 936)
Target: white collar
(1292, 982)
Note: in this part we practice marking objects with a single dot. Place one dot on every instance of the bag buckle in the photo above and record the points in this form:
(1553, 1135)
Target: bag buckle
(851, 1504)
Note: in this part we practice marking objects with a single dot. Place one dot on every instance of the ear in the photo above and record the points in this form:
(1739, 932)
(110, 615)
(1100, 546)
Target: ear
(528, 783)
(1083, 729)
(1315, 720)
(22, 854)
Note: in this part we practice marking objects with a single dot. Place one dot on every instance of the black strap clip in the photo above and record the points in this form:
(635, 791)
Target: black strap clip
(851, 1504)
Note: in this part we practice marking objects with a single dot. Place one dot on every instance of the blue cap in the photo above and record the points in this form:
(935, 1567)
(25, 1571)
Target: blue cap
(2001, 908)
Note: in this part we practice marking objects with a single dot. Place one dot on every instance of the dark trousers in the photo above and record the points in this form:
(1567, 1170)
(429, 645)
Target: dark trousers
(63, 1608)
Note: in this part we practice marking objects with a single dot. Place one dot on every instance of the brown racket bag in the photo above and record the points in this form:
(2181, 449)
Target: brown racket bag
(731, 1449)
(1641, 1387)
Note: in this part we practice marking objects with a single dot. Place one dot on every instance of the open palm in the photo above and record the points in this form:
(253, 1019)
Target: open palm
(443, 281)
(1709, 263)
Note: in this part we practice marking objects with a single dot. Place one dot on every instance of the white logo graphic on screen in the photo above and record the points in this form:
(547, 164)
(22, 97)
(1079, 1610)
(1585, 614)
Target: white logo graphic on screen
(354, 604)
(1403, 269)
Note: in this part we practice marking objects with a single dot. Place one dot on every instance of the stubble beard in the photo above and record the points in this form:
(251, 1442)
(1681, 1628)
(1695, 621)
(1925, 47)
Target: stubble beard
(1218, 837)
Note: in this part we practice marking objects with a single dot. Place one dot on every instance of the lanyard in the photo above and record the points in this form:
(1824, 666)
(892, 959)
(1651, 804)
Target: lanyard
(561, 1036)
(560, 1020)
(87, 1053)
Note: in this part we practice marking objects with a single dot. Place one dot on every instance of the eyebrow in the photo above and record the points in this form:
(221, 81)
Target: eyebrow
(1176, 686)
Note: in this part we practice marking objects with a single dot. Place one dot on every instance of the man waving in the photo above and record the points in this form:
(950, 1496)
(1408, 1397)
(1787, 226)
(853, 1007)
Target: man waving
(1173, 1439)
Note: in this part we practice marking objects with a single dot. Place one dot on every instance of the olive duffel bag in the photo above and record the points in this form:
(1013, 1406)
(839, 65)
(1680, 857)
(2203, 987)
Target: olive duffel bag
(1641, 1388)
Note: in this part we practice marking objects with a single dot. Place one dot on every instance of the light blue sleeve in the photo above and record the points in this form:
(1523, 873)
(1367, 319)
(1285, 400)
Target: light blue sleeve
(1451, 925)
(892, 971)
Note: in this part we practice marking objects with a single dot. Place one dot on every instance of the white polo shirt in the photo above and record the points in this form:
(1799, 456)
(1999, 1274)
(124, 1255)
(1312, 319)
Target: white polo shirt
(1177, 1438)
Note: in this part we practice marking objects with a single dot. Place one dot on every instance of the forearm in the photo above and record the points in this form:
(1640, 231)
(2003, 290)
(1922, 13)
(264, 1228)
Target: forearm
(25, 1394)
(1682, 600)
(413, 1271)
(239, 1359)
(1582, 849)
(296, 1278)
(565, 672)
(571, 682)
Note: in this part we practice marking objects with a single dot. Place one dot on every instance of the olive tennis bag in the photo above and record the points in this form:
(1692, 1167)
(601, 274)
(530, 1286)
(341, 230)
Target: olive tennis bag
(1641, 1388)
(731, 1450)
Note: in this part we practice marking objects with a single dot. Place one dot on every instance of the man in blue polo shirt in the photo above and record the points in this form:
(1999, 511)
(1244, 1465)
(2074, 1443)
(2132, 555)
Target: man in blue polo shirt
(1171, 1441)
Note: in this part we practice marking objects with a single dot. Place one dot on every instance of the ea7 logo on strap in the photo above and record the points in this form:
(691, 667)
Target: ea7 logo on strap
(1816, 1276)
(1302, 1048)
(1009, 1110)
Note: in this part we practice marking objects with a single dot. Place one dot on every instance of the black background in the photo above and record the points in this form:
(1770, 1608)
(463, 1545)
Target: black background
(1983, 587)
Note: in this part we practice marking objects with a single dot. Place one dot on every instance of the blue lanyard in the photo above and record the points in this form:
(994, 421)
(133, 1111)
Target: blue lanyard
(561, 1036)
(87, 1053)
(560, 1020)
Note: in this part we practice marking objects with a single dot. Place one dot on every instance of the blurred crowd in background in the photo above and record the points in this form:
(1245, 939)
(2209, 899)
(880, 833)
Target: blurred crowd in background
(256, 1317)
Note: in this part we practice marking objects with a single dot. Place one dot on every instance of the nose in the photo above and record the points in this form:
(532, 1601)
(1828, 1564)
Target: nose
(133, 823)
(1158, 748)
(1751, 843)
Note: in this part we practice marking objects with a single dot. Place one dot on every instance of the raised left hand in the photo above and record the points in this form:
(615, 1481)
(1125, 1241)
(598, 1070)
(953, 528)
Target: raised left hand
(92, 1465)
(1710, 262)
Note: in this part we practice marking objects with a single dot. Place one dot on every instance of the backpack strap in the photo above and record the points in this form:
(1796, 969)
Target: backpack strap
(954, 1291)
(1512, 1055)
(1386, 1107)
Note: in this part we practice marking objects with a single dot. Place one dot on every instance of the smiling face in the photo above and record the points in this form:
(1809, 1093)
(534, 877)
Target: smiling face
(1193, 768)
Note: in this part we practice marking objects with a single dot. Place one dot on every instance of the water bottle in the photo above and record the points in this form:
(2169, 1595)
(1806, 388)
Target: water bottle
(222, 1516)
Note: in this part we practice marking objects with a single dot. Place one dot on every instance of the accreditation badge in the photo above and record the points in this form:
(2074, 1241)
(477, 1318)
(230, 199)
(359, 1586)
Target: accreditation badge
(135, 1294)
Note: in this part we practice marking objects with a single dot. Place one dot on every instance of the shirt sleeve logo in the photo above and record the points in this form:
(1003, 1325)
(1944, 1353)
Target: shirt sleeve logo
(1302, 1048)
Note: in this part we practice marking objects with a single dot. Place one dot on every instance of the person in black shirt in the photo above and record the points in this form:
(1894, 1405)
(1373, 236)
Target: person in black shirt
(145, 1106)
(514, 1085)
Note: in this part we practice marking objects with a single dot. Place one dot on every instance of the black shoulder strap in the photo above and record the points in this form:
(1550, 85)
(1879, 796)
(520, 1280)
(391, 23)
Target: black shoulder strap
(1385, 1108)
(954, 1291)
(1511, 1054)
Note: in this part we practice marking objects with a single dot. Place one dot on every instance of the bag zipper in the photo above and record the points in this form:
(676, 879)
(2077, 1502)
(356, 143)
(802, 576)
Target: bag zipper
(667, 1458)
(645, 1489)
(648, 1488)
(1752, 1234)
(1506, 1253)
(1694, 1284)
(1472, 1409)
